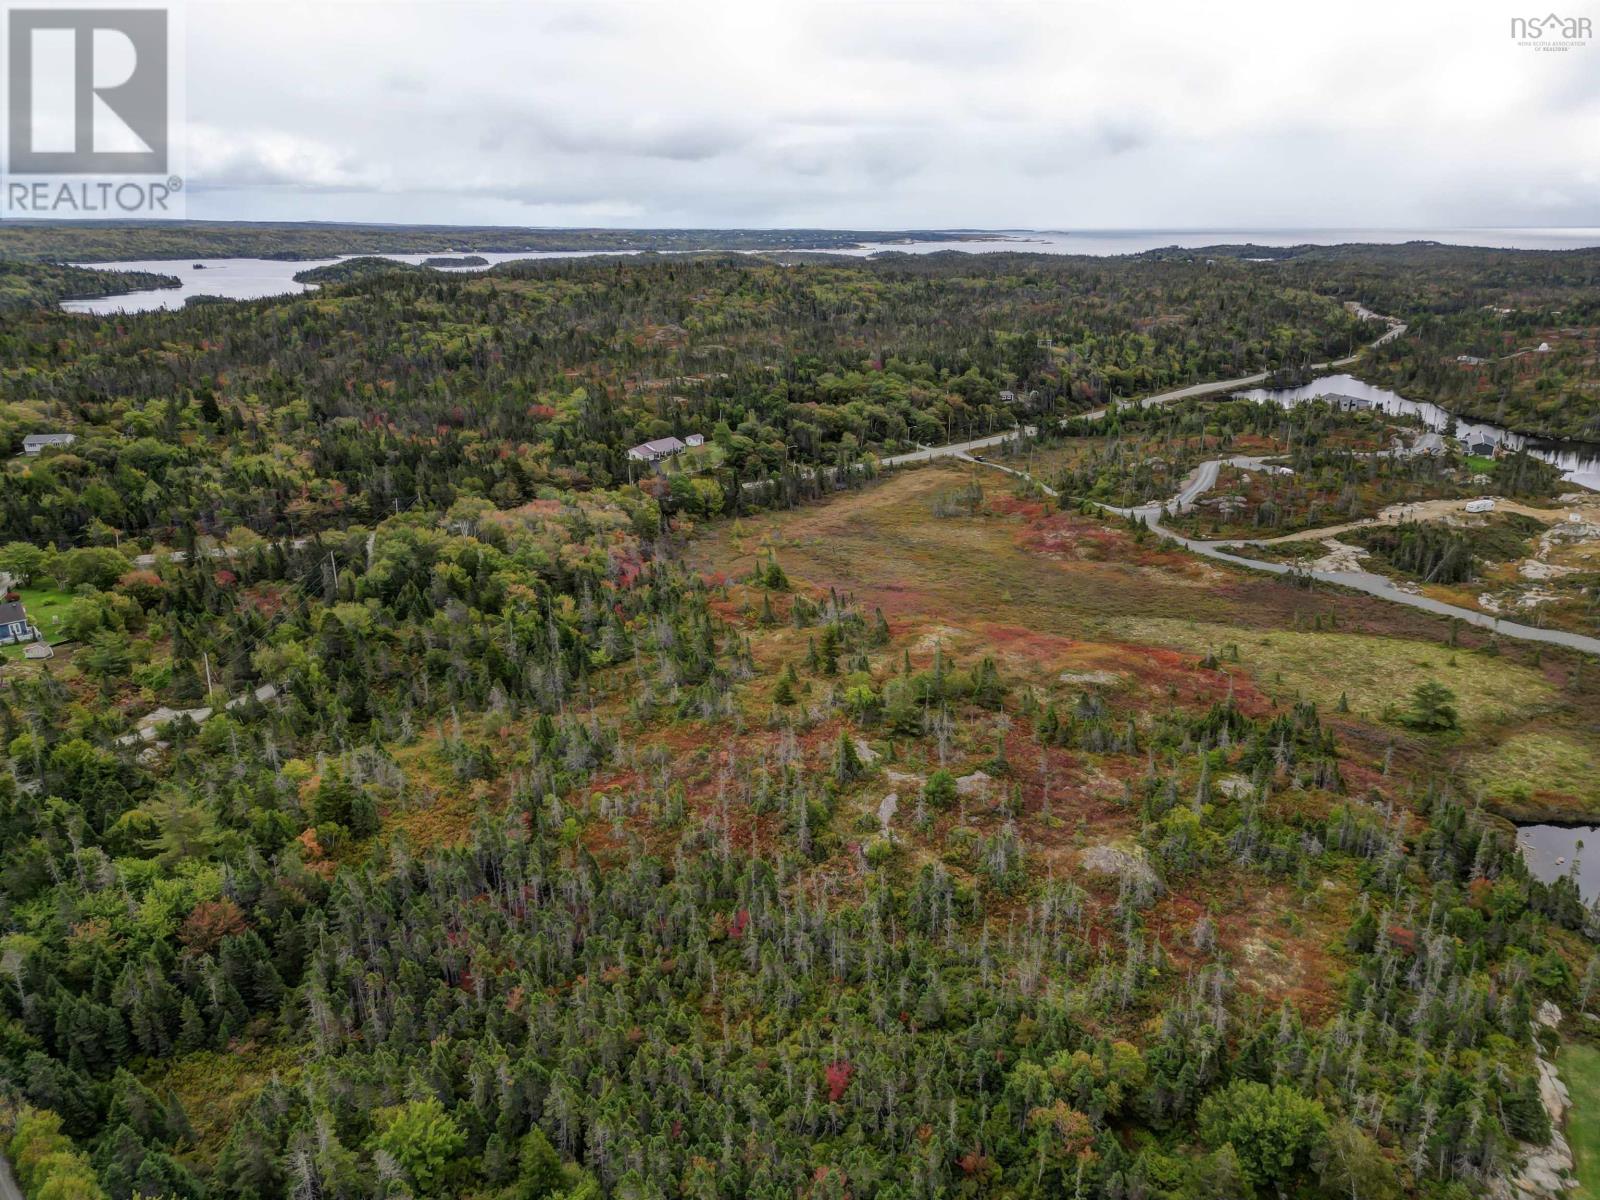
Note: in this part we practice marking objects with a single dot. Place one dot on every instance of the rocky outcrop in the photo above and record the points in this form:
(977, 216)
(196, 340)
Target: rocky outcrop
(886, 810)
(974, 786)
(1127, 866)
(1546, 1171)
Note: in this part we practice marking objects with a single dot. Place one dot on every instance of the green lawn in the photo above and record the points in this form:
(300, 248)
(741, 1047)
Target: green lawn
(694, 460)
(46, 609)
(1580, 1071)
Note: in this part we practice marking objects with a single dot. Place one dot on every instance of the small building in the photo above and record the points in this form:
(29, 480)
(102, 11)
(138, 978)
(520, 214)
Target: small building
(35, 442)
(1471, 360)
(694, 439)
(14, 624)
(656, 450)
(1481, 449)
(1348, 403)
(1542, 348)
(39, 649)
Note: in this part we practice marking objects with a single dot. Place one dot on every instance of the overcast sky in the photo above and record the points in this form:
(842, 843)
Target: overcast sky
(1140, 114)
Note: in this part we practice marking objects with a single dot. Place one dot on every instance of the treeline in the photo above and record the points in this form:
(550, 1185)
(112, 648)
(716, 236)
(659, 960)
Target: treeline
(111, 241)
(38, 286)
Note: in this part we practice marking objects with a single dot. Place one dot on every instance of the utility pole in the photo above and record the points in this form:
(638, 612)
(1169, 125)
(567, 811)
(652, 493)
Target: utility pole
(206, 655)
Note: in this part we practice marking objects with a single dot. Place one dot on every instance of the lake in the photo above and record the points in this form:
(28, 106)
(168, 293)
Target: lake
(1551, 850)
(1579, 461)
(253, 278)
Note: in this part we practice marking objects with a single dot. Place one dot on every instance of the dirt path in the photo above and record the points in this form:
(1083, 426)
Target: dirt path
(1362, 581)
(1421, 510)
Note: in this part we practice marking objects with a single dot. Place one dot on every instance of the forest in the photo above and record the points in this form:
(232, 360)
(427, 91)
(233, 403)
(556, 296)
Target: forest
(112, 241)
(409, 388)
(31, 286)
(424, 800)
(1477, 319)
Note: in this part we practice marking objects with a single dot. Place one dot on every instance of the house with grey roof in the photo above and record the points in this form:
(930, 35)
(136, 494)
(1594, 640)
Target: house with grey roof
(14, 624)
(655, 451)
(35, 442)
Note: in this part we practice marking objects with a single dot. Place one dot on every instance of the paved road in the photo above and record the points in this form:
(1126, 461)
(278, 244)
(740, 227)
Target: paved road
(8, 1182)
(178, 556)
(1396, 328)
(1204, 477)
(961, 449)
(1362, 581)
(953, 449)
(1384, 589)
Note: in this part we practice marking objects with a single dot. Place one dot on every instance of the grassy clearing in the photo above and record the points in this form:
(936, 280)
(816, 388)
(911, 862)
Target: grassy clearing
(1371, 671)
(978, 580)
(1580, 1071)
(47, 608)
(1056, 574)
(1540, 763)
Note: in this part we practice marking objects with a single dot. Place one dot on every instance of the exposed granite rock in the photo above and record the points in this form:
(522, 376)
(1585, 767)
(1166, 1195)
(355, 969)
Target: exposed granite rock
(1546, 1171)
(886, 810)
(974, 786)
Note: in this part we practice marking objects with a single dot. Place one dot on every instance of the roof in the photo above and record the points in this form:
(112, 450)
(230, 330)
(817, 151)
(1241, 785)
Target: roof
(664, 445)
(49, 439)
(12, 612)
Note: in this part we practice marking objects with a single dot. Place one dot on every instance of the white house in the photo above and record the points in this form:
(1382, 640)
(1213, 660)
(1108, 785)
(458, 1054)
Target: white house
(14, 624)
(655, 451)
(36, 442)
(695, 439)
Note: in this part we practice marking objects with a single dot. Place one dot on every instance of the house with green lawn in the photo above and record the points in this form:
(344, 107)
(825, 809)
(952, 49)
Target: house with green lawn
(14, 624)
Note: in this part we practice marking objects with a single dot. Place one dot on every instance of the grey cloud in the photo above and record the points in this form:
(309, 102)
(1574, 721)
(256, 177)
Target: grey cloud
(888, 115)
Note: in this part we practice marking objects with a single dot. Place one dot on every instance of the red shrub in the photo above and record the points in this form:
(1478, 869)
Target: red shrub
(838, 1076)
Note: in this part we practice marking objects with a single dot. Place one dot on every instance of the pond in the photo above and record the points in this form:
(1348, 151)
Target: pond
(1552, 850)
(1579, 462)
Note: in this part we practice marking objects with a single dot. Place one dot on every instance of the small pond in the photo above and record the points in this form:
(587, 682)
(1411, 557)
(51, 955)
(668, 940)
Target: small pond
(1551, 851)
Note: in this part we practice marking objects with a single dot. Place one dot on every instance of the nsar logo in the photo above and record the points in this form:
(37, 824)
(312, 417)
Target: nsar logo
(1551, 32)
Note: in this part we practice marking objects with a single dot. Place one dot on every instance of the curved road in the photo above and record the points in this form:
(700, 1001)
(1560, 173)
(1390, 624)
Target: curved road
(1204, 477)
(964, 449)
(1361, 581)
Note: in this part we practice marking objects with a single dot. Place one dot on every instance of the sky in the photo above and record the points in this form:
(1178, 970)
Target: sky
(1408, 114)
